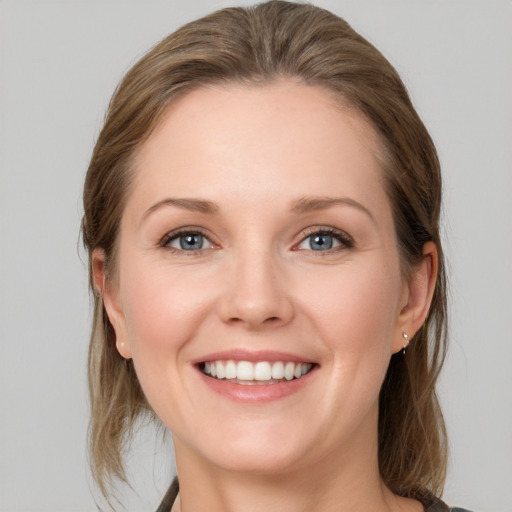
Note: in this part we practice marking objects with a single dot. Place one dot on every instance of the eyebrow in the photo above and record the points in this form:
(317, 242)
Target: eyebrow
(306, 204)
(193, 205)
(301, 205)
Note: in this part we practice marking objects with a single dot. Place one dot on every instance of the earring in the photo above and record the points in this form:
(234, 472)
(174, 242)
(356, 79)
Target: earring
(406, 338)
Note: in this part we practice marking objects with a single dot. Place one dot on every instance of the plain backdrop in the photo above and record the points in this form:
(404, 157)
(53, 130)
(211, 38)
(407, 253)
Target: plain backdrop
(59, 64)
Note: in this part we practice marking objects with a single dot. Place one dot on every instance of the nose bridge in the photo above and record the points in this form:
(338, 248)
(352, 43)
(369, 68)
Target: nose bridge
(256, 294)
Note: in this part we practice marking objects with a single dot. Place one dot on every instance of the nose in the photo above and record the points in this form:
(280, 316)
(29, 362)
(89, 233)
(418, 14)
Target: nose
(256, 292)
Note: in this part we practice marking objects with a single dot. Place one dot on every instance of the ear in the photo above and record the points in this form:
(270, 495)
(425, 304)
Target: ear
(111, 302)
(418, 295)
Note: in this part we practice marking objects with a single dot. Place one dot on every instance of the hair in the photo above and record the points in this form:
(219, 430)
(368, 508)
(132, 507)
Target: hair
(262, 44)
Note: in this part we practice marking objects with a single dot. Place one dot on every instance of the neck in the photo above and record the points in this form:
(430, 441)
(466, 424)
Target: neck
(343, 482)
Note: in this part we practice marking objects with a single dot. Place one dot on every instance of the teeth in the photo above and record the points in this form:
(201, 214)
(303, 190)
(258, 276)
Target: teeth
(231, 370)
(278, 370)
(221, 371)
(260, 371)
(289, 371)
(244, 370)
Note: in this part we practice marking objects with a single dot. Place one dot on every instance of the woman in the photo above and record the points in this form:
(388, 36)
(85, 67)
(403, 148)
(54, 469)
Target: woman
(262, 221)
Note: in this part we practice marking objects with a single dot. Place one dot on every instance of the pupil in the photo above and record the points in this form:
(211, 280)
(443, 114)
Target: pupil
(321, 242)
(190, 242)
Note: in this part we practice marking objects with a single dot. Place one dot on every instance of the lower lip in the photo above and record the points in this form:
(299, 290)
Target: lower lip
(256, 393)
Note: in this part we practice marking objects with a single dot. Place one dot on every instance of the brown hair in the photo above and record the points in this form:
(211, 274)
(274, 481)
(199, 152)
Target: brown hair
(261, 44)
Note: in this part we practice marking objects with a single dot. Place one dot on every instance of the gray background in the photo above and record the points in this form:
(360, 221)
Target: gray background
(60, 61)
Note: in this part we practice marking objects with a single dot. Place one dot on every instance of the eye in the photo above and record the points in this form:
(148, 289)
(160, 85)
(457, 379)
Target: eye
(187, 241)
(325, 240)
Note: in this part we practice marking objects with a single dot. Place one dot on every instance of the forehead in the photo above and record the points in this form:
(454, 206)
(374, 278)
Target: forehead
(266, 141)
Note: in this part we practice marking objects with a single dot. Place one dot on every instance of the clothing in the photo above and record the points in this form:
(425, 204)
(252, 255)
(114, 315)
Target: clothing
(170, 497)
(430, 503)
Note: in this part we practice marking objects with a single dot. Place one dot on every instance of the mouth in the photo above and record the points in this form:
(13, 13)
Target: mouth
(252, 373)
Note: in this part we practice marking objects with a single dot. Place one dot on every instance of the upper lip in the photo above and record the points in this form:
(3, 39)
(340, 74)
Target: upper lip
(252, 356)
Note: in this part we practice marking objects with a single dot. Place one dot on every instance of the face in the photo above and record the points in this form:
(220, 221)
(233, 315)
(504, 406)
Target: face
(259, 290)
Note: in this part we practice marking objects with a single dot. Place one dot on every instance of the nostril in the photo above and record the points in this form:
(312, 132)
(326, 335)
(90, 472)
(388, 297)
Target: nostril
(270, 320)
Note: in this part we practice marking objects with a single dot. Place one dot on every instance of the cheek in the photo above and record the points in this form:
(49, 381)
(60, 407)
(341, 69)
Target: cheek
(162, 315)
(165, 307)
(355, 309)
(158, 309)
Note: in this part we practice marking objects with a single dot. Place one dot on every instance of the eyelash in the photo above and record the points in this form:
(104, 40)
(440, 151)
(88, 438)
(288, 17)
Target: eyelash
(343, 238)
(169, 237)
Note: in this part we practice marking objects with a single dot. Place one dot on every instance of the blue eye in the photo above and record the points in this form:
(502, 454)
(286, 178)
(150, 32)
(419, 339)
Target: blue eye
(188, 241)
(321, 241)
(191, 242)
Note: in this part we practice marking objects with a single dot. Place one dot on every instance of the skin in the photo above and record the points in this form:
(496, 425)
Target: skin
(257, 284)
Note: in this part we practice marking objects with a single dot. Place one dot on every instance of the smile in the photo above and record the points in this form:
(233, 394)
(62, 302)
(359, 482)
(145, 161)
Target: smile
(259, 372)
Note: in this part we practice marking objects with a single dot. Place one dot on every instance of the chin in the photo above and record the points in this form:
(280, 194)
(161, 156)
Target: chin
(261, 460)
(254, 451)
